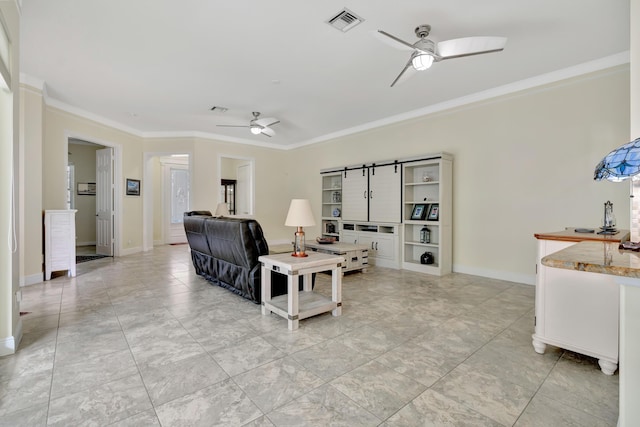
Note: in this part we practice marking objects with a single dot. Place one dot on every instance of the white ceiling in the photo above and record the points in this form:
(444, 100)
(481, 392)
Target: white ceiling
(156, 67)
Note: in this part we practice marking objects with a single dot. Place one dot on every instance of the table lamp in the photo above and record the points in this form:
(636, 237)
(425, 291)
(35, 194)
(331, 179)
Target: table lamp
(300, 215)
(222, 209)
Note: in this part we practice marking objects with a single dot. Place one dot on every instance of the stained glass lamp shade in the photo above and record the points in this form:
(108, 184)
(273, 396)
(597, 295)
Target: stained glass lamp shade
(620, 164)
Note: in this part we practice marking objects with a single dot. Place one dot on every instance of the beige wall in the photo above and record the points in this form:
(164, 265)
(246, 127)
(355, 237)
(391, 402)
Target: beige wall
(31, 134)
(59, 126)
(10, 172)
(270, 170)
(522, 164)
(157, 199)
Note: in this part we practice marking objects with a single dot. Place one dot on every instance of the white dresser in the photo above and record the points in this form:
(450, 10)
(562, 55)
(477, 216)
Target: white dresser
(59, 242)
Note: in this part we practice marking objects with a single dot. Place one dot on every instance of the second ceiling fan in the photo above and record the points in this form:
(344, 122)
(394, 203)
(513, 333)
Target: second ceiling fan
(426, 52)
(258, 126)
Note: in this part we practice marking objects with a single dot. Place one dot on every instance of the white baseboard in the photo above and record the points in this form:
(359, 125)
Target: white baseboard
(85, 244)
(130, 251)
(383, 263)
(527, 279)
(32, 279)
(9, 345)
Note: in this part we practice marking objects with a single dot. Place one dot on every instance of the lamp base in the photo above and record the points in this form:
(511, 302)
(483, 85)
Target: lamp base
(298, 244)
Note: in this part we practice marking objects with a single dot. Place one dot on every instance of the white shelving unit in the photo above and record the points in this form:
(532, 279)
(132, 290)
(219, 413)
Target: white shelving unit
(375, 202)
(428, 182)
(331, 204)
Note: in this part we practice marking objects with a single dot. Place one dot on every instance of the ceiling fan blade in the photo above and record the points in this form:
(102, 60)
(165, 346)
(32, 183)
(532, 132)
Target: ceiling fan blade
(391, 40)
(232, 126)
(406, 72)
(468, 46)
(267, 121)
(399, 43)
(268, 132)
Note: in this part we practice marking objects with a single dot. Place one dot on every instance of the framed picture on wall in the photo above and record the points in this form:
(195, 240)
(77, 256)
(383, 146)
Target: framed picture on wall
(133, 187)
(419, 211)
(434, 211)
(86, 188)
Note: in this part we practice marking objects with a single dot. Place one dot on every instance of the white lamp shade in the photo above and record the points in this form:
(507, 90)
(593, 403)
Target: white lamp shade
(300, 214)
(222, 209)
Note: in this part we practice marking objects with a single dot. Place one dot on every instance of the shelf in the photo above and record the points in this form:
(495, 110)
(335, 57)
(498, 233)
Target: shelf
(332, 189)
(426, 245)
(422, 202)
(422, 183)
(331, 203)
(421, 222)
(331, 218)
(421, 268)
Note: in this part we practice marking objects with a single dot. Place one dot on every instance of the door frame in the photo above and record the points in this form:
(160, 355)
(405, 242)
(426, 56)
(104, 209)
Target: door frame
(252, 184)
(147, 194)
(167, 164)
(117, 178)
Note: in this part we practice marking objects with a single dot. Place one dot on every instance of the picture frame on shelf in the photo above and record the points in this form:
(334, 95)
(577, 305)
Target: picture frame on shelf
(434, 212)
(133, 187)
(419, 211)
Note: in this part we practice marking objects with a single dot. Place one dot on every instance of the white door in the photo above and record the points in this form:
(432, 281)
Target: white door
(243, 190)
(104, 202)
(176, 190)
(384, 194)
(355, 195)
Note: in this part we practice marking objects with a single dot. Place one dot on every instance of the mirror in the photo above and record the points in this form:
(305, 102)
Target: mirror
(240, 170)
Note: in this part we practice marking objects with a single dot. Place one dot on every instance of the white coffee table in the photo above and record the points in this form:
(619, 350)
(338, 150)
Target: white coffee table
(296, 305)
(356, 255)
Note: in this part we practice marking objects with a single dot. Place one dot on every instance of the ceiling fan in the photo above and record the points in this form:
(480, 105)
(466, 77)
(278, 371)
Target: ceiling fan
(258, 126)
(425, 51)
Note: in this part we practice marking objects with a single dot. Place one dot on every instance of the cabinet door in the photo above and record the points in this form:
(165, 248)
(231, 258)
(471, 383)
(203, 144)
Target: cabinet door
(380, 245)
(385, 194)
(385, 247)
(355, 197)
(349, 237)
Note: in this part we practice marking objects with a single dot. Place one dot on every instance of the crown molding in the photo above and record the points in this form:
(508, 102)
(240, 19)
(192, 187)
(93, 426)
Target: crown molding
(541, 80)
(207, 135)
(533, 82)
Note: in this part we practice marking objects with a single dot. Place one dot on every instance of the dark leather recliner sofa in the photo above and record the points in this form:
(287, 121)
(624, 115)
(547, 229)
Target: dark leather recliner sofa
(225, 251)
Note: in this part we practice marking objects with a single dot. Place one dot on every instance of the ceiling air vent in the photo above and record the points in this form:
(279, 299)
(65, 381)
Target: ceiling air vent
(219, 109)
(345, 20)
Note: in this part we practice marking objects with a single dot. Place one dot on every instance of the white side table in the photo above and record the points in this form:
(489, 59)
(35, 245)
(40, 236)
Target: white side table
(296, 305)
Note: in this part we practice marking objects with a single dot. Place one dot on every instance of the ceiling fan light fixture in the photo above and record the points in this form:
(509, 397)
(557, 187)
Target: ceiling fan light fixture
(421, 61)
(255, 129)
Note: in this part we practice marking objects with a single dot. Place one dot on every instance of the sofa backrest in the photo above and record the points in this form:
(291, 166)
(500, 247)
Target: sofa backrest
(239, 241)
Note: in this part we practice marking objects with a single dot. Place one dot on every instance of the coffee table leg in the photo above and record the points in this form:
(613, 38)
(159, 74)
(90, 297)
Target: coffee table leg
(265, 288)
(306, 282)
(336, 289)
(292, 301)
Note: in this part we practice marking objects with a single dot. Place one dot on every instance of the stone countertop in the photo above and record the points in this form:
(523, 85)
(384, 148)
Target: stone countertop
(570, 235)
(596, 257)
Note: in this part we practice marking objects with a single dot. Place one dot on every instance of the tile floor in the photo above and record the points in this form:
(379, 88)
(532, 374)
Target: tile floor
(142, 341)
